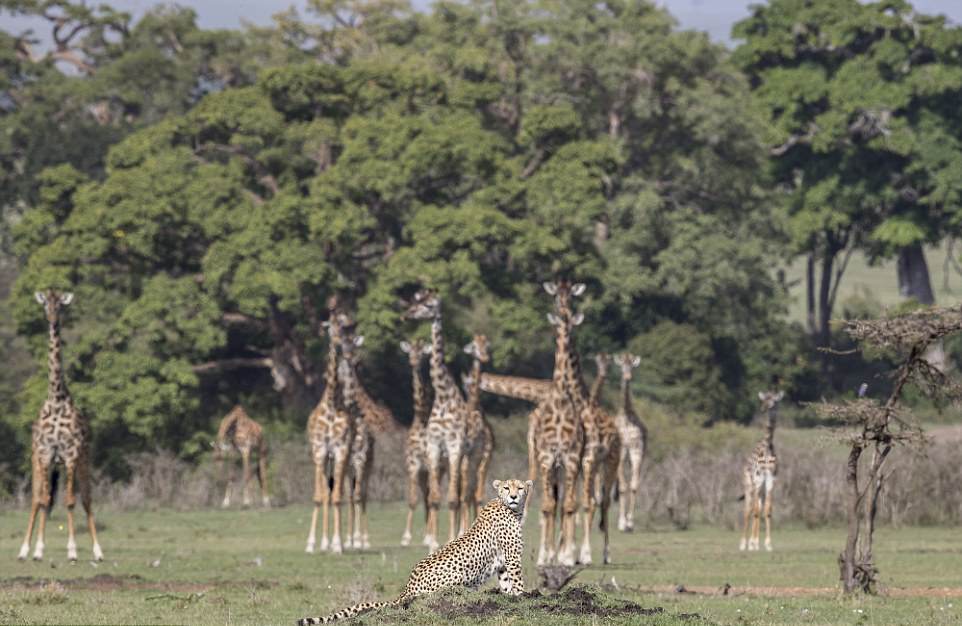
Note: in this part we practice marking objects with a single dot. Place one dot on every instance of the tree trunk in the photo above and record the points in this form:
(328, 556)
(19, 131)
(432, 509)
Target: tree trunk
(810, 293)
(913, 274)
(825, 299)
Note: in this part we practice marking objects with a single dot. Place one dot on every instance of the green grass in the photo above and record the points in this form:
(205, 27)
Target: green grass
(248, 567)
(877, 282)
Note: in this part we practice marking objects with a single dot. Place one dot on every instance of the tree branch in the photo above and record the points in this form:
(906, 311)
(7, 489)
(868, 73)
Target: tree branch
(225, 365)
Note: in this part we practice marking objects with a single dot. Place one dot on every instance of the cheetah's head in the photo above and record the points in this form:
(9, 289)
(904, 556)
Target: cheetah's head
(513, 493)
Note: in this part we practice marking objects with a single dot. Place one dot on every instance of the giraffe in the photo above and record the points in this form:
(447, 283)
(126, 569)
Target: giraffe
(365, 411)
(634, 441)
(599, 463)
(60, 435)
(447, 422)
(415, 446)
(479, 441)
(330, 432)
(758, 477)
(239, 432)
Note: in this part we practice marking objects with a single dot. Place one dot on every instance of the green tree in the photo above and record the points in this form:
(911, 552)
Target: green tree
(862, 102)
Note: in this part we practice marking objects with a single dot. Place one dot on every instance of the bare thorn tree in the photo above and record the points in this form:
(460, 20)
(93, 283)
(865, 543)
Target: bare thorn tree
(878, 427)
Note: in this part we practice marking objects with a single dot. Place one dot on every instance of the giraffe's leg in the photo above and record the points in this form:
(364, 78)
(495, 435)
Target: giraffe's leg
(608, 479)
(262, 477)
(454, 467)
(413, 472)
(548, 507)
(365, 483)
(481, 482)
(636, 459)
(464, 496)
(337, 497)
(623, 489)
(70, 500)
(434, 496)
(227, 471)
(246, 462)
(569, 510)
(351, 503)
(44, 507)
(532, 451)
(749, 499)
(36, 487)
(320, 498)
(587, 506)
(756, 515)
(84, 482)
(769, 488)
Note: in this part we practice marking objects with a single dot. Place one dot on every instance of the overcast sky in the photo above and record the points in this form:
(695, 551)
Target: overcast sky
(714, 16)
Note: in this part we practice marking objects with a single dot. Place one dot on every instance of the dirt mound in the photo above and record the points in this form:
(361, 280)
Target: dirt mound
(580, 601)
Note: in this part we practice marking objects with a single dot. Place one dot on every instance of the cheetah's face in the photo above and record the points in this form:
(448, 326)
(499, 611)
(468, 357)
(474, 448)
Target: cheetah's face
(513, 492)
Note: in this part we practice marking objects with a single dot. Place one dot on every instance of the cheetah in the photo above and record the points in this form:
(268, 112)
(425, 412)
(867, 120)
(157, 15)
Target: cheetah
(493, 544)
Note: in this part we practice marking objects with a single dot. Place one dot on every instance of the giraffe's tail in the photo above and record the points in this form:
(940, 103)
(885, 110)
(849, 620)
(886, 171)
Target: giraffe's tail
(352, 611)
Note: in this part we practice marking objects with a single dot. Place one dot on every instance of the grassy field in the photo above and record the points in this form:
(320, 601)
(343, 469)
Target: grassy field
(248, 567)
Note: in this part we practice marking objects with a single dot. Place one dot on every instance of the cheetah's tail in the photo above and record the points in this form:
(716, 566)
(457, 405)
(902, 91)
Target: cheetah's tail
(347, 613)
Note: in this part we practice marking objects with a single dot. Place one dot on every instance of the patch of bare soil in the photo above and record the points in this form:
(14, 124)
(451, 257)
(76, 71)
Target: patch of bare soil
(804, 592)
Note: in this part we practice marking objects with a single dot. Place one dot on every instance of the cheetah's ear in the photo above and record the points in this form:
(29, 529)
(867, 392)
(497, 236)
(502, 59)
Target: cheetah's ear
(66, 299)
(405, 347)
(497, 485)
(42, 299)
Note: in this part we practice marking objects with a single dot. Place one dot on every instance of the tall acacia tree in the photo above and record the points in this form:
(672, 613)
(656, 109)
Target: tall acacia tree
(864, 135)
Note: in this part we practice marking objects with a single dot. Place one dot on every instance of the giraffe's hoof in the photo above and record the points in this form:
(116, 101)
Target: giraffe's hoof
(768, 547)
(266, 502)
(406, 539)
(310, 547)
(24, 552)
(98, 553)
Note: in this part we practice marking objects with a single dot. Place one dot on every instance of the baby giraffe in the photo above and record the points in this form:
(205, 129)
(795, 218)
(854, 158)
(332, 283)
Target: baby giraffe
(758, 477)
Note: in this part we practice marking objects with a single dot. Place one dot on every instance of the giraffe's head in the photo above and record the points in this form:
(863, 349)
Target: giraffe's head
(478, 348)
(627, 362)
(425, 306)
(602, 361)
(563, 291)
(52, 302)
(513, 493)
(770, 398)
(337, 325)
(416, 351)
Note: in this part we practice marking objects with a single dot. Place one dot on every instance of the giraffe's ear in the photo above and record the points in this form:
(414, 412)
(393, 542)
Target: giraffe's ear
(359, 340)
(553, 319)
(635, 361)
(405, 347)
(781, 394)
(550, 287)
(42, 299)
(577, 289)
(497, 485)
(427, 348)
(326, 324)
(528, 485)
(66, 299)
(469, 348)
(761, 395)
(578, 318)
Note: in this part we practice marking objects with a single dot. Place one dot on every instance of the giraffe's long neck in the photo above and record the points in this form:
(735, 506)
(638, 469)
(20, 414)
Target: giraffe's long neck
(332, 386)
(770, 430)
(422, 408)
(568, 365)
(56, 385)
(444, 385)
(626, 405)
(597, 385)
(474, 392)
